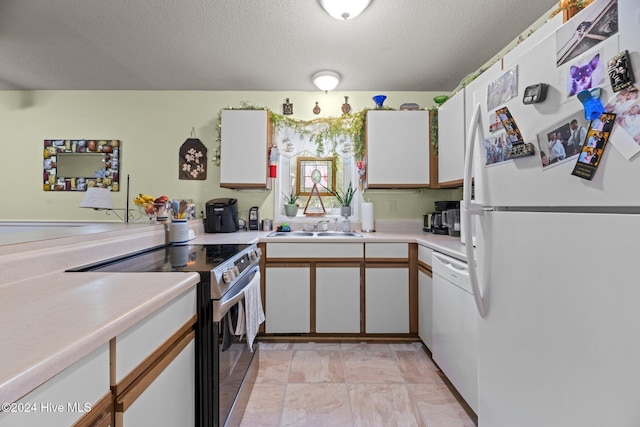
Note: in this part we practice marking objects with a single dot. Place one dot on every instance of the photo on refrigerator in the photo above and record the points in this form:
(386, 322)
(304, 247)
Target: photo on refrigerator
(503, 88)
(585, 73)
(497, 148)
(596, 23)
(626, 103)
(591, 153)
(562, 141)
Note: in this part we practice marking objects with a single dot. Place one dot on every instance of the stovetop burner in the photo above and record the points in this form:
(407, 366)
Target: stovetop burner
(190, 258)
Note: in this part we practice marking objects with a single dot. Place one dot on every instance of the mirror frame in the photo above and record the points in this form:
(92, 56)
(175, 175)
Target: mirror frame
(108, 177)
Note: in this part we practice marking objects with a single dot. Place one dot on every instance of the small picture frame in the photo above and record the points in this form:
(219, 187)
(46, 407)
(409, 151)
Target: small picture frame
(287, 108)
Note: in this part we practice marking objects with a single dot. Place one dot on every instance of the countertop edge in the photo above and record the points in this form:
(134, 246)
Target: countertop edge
(440, 243)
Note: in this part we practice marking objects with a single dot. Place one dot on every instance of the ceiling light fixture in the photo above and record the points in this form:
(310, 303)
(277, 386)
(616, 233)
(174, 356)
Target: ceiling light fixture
(344, 9)
(326, 80)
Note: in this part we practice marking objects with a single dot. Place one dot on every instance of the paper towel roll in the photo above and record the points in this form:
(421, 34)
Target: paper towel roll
(367, 217)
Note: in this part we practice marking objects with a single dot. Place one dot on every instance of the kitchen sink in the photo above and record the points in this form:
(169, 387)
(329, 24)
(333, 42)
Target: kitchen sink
(290, 234)
(338, 234)
(314, 234)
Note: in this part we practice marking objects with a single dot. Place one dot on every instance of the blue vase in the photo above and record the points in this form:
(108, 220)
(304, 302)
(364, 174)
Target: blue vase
(379, 100)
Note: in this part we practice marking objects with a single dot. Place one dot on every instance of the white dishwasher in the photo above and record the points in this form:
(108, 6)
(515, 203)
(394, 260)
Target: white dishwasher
(455, 326)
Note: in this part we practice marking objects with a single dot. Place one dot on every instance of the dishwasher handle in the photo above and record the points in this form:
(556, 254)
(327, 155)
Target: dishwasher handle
(452, 270)
(451, 264)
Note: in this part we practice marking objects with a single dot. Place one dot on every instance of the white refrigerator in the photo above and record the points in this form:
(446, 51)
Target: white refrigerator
(557, 259)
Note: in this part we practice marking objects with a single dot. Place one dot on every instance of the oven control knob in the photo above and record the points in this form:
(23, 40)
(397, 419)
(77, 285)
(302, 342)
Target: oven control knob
(236, 271)
(226, 277)
(258, 252)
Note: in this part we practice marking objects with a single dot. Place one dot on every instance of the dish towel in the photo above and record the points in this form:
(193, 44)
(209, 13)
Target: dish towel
(254, 314)
(231, 318)
(241, 327)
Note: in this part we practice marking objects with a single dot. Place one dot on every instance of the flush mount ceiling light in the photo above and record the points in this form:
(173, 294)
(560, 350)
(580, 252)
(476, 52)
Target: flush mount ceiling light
(344, 9)
(326, 80)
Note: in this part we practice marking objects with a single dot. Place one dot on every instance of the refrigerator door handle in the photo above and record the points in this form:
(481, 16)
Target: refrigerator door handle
(470, 207)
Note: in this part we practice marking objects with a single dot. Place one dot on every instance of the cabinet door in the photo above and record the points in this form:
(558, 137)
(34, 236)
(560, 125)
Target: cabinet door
(134, 346)
(287, 299)
(425, 307)
(398, 149)
(337, 299)
(170, 398)
(66, 397)
(245, 138)
(387, 300)
(451, 136)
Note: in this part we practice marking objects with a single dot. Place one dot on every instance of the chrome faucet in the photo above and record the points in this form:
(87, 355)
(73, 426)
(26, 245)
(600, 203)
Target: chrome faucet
(315, 226)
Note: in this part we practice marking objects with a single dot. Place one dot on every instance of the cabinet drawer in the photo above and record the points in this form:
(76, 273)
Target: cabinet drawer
(425, 255)
(138, 342)
(314, 250)
(387, 250)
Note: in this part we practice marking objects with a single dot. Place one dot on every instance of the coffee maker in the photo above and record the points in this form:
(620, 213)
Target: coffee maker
(437, 224)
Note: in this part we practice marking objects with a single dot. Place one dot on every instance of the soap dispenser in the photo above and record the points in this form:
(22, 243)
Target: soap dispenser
(346, 224)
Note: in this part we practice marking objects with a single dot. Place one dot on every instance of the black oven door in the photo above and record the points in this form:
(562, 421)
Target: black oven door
(235, 367)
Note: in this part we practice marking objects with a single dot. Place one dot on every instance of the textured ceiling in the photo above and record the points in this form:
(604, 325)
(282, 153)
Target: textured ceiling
(256, 45)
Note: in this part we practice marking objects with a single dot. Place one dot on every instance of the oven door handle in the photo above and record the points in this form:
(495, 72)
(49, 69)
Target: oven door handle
(220, 308)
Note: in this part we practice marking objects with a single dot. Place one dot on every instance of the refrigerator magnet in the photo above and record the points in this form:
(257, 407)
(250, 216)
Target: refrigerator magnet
(620, 71)
(593, 148)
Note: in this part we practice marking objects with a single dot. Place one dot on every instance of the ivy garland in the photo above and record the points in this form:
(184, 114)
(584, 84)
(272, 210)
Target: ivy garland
(331, 131)
(434, 129)
(350, 126)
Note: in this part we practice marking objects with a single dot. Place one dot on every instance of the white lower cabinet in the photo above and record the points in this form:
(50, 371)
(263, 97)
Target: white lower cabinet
(337, 299)
(170, 399)
(65, 398)
(387, 300)
(287, 300)
(153, 367)
(425, 308)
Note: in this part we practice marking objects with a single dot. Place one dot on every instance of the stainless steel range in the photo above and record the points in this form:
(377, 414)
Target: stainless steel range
(225, 367)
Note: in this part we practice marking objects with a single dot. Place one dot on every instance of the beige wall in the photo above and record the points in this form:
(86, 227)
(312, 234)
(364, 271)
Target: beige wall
(152, 126)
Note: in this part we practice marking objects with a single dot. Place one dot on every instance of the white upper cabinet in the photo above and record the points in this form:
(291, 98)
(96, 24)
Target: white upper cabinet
(398, 149)
(451, 136)
(245, 140)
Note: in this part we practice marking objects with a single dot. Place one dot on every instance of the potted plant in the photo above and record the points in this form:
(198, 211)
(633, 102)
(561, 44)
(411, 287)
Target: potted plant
(569, 8)
(290, 200)
(344, 198)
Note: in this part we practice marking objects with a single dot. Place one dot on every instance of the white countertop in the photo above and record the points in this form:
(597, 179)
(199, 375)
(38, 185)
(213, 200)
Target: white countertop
(440, 243)
(49, 322)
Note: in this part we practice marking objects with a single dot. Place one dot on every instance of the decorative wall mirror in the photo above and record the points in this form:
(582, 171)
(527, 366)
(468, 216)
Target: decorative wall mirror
(77, 164)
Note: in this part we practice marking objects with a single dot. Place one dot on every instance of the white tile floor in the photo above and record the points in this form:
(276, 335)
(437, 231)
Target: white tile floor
(351, 384)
